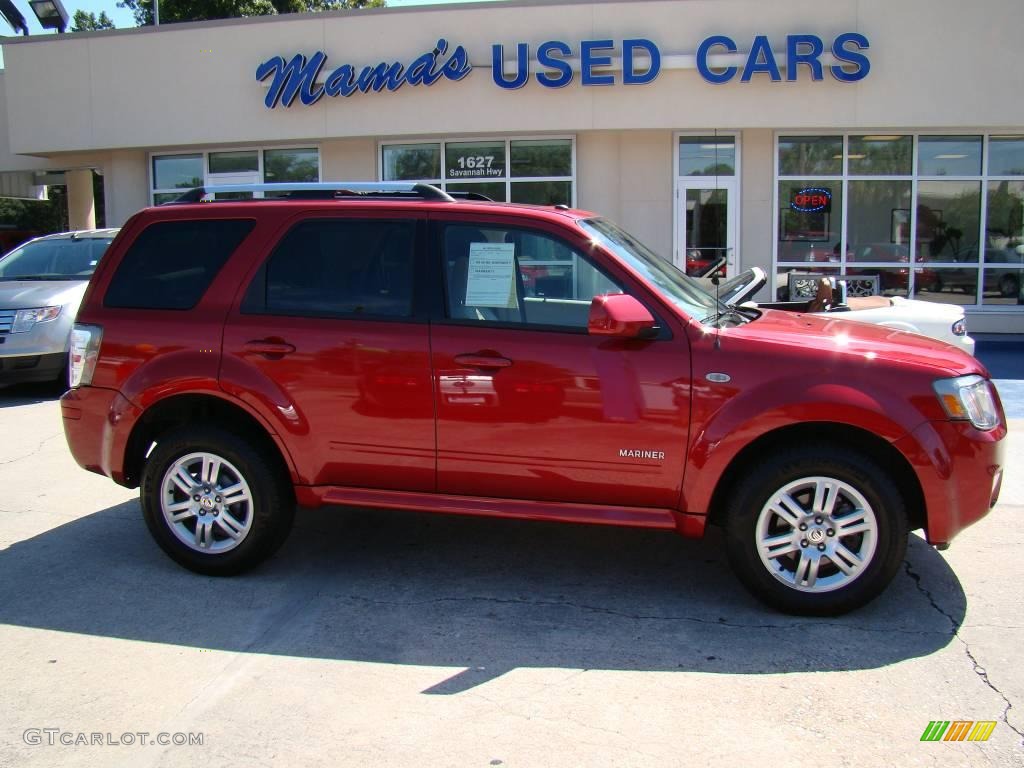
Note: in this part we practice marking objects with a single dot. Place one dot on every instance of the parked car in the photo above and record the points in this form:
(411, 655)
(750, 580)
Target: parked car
(41, 286)
(376, 347)
(946, 322)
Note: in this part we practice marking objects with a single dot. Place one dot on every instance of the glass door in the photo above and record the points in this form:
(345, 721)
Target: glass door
(706, 206)
(707, 229)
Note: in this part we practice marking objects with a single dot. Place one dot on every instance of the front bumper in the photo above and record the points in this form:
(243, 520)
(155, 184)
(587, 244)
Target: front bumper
(960, 469)
(38, 354)
(24, 368)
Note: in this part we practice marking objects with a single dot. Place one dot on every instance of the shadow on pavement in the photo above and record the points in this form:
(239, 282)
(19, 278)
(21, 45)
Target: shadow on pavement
(482, 596)
(29, 394)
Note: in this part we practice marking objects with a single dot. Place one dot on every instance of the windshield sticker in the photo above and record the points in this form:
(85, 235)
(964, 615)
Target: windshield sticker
(491, 281)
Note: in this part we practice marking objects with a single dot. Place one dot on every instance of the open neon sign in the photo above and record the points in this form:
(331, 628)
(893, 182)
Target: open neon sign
(811, 200)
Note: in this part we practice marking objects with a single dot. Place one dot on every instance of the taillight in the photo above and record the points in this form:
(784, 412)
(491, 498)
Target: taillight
(83, 353)
(960, 328)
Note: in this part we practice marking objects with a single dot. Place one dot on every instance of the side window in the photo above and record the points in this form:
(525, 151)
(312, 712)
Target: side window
(172, 263)
(342, 267)
(517, 276)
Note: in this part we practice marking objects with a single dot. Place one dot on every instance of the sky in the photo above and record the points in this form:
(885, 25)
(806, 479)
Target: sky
(122, 17)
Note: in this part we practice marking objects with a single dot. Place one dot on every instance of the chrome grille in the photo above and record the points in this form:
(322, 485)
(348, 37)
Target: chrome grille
(6, 320)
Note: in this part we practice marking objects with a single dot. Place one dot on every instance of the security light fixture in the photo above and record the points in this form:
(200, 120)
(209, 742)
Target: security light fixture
(51, 14)
(13, 16)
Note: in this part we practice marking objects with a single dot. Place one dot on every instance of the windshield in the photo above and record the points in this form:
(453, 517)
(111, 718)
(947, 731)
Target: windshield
(59, 259)
(675, 286)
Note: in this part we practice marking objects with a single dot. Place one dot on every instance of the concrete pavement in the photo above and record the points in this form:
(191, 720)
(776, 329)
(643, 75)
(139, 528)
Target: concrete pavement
(393, 639)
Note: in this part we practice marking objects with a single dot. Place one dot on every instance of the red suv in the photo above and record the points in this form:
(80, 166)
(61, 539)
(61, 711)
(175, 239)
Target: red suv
(377, 345)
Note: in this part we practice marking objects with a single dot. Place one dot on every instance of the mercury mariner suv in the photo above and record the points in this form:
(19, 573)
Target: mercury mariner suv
(390, 345)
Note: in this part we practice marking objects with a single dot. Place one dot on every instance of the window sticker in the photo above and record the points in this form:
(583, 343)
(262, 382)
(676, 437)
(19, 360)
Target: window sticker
(491, 281)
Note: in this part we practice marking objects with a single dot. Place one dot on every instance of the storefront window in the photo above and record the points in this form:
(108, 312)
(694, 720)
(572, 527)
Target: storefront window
(294, 165)
(810, 155)
(234, 162)
(412, 162)
(178, 171)
(810, 221)
(707, 155)
(916, 232)
(881, 156)
(474, 160)
(949, 155)
(542, 157)
(1006, 156)
(537, 171)
(208, 169)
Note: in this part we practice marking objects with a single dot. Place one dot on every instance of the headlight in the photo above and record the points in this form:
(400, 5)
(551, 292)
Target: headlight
(960, 328)
(969, 398)
(24, 319)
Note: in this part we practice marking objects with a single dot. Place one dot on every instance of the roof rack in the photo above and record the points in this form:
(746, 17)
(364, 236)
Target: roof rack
(325, 190)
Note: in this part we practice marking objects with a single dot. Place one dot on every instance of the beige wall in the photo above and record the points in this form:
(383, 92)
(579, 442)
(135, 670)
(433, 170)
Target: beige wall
(125, 185)
(627, 176)
(757, 147)
(177, 84)
(349, 160)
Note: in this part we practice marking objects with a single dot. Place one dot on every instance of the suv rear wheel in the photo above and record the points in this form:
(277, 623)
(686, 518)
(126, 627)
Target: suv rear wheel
(213, 502)
(817, 530)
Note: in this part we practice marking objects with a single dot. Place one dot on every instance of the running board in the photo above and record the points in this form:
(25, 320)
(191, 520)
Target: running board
(634, 517)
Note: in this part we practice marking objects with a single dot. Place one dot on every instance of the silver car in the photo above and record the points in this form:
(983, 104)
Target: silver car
(41, 285)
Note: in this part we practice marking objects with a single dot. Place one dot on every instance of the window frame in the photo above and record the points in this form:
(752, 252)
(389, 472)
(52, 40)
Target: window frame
(210, 179)
(508, 179)
(914, 177)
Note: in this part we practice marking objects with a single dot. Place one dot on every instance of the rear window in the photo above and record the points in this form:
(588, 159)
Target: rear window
(172, 263)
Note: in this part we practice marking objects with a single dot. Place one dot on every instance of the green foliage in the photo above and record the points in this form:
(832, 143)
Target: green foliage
(199, 10)
(90, 22)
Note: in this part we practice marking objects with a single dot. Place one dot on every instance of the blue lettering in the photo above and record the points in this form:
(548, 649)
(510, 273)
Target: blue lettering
(809, 57)
(296, 78)
(705, 70)
(458, 66)
(341, 82)
(420, 71)
(390, 76)
(845, 55)
(522, 66)
(588, 61)
(545, 59)
(629, 73)
(761, 48)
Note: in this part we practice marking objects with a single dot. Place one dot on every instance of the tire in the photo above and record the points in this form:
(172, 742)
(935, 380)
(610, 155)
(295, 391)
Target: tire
(1008, 286)
(239, 520)
(838, 571)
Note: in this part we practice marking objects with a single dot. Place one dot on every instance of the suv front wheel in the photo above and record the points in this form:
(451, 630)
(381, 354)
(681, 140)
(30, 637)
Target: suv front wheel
(213, 502)
(816, 531)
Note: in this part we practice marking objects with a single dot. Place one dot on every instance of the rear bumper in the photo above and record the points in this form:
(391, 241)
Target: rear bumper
(960, 469)
(97, 424)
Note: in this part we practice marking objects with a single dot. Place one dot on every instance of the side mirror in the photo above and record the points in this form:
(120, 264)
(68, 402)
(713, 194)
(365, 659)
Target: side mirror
(621, 316)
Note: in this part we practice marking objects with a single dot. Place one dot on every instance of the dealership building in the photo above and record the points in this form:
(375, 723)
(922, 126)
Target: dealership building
(861, 137)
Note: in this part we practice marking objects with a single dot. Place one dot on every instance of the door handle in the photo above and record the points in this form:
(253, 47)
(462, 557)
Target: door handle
(269, 347)
(477, 360)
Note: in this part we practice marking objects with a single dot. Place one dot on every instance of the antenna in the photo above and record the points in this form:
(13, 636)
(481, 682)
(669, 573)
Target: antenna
(715, 281)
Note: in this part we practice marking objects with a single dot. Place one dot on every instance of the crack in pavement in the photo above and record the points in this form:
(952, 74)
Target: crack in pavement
(719, 622)
(34, 451)
(954, 631)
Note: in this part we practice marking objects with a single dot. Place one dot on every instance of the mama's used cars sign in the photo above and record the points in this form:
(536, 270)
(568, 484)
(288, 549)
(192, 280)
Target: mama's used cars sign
(555, 64)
